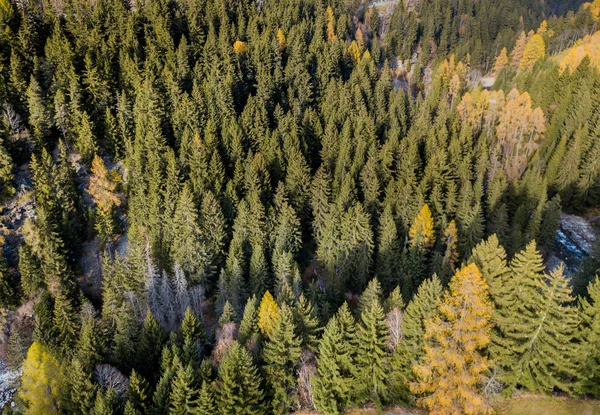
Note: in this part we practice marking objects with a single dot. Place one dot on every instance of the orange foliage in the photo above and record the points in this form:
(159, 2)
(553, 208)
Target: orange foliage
(451, 374)
(330, 25)
(501, 62)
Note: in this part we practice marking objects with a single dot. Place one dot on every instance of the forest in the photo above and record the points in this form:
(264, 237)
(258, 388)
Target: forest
(247, 207)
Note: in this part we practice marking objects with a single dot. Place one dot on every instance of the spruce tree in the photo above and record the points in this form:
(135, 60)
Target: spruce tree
(281, 356)
(371, 355)
(137, 394)
(184, 395)
(590, 339)
(333, 385)
(239, 385)
(307, 323)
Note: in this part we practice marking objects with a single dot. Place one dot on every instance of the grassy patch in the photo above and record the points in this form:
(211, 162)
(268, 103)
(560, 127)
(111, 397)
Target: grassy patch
(546, 405)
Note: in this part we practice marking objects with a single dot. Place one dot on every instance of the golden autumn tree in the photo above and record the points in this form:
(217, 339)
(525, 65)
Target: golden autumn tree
(594, 9)
(450, 375)
(281, 39)
(588, 46)
(354, 51)
(421, 232)
(534, 51)
(43, 381)
(520, 128)
(517, 53)
(330, 24)
(102, 189)
(239, 47)
(501, 62)
(268, 312)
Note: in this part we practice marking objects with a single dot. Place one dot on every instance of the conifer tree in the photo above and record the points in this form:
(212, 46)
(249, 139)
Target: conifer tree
(82, 390)
(590, 337)
(239, 385)
(188, 249)
(249, 330)
(307, 323)
(411, 349)
(206, 401)
(137, 394)
(421, 232)
(371, 355)
(65, 322)
(183, 397)
(550, 357)
(268, 313)
(333, 385)
(281, 356)
(86, 144)
(452, 370)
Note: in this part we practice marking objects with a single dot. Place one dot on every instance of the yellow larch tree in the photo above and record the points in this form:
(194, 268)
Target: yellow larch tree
(102, 186)
(268, 312)
(594, 9)
(501, 62)
(421, 232)
(281, 39)
(450, 375)
(533, 52)
(588, 46)
(330, 24)
(517, 53)
(239, 47)
(43, 381)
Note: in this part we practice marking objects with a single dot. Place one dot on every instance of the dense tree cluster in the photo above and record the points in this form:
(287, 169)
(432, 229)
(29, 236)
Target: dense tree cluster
(288, 211)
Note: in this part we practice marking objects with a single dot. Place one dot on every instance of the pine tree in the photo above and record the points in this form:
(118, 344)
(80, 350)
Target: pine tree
(248, 330)
(82, 390)
(550, 357)
(39, 116)
(281, 356)
(307, 323)
(490, 258)
(89, 346)
(152, 340)
(86, 141)
(371, 295)
(137, 394)
(590, 336)
(65, 322)
(388, 251)
(188, 249)
(239, 384)
(183, 397)
(206, 401)
(333, 385)
(371, 355)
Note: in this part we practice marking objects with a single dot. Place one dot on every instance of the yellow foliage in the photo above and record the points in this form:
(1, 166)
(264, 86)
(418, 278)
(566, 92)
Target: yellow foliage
(330, 24)
(43, 382)
(268, 312)
(501, 62)
(421, 232)
(543, 28)
(102, 186)
(281, 39)
(588, 46)
(594, 9)
(360, 39)
(534, 51)
(517, 53)
(354, 51)
(239, 47)
(451, 374)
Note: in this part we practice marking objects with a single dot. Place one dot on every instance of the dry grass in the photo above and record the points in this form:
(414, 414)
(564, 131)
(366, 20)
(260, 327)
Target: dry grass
(547, 405)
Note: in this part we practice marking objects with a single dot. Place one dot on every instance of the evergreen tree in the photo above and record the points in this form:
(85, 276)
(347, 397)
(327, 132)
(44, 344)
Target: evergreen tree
(239, 384)
(590, 313)
(411, 349)
(333, 385)
(281, 356)
(184, 396)
(371, 355)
